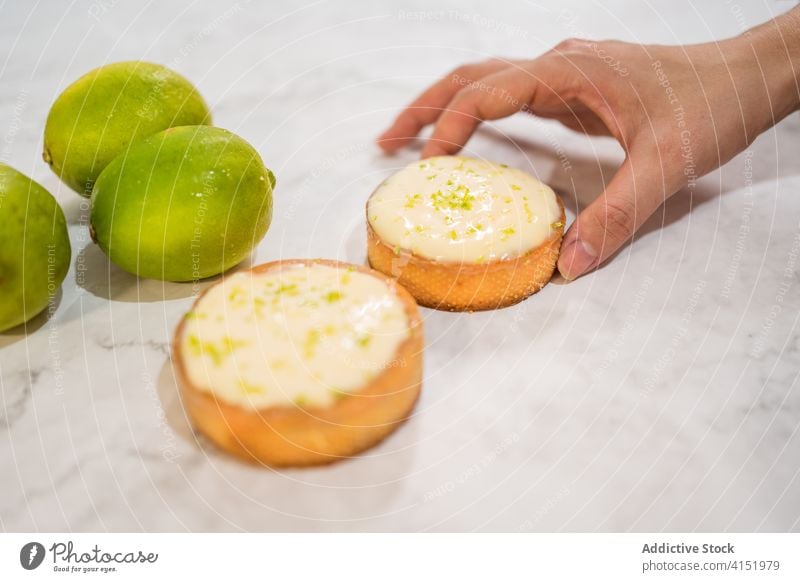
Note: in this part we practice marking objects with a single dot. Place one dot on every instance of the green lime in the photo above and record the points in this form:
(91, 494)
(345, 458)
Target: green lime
(102, 113)
(34, 248)
(183, 204)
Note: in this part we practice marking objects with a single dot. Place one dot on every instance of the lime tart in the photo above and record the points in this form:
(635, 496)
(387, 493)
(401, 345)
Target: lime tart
(464, 234)
(300, 362)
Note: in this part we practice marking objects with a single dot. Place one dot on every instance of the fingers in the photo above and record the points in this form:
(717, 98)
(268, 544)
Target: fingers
(427, 108)
(493, 97)
(609, 222)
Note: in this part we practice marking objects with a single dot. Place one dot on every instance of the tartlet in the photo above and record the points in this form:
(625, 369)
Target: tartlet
(464, 234)
(300, 362)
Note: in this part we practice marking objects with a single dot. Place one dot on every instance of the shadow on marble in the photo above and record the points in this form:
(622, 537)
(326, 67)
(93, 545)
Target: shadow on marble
(174, 413)
(355, 246)
(588, 177)
(23, 330)
(76, 211)
(102, 278)
(384, 465)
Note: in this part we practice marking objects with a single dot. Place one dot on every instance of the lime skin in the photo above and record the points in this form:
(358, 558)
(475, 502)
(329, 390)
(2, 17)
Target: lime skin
(34, 248)
(184, 204)
(102, 113)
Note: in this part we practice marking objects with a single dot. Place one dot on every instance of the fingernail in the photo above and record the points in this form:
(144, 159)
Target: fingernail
(576, 259)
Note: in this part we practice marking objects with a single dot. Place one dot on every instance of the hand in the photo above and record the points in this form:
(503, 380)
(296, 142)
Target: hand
(678, 113)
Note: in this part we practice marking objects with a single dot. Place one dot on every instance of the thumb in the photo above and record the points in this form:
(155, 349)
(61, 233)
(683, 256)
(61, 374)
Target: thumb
(612, 219)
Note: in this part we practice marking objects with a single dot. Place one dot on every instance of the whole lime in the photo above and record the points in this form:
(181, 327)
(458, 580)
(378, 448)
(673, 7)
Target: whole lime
(183, 204)
(34, 248)
(102, 113)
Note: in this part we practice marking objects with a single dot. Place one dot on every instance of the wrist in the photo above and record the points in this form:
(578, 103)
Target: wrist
(773, 51)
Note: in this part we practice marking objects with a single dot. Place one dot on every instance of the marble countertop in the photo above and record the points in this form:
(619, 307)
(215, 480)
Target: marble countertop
(660, 393)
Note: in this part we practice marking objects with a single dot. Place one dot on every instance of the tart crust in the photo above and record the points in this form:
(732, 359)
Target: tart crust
(454, 286)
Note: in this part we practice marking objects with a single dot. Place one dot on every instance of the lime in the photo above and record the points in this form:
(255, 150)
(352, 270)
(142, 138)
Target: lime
(102, 113)
(183, 204)
(34, 248)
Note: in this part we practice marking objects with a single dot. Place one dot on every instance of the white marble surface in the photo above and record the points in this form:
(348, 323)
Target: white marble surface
(660, 393)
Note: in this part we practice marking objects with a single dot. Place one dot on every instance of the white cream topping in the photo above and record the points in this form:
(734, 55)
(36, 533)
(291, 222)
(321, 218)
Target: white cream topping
(302, 335)
(458, 209)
